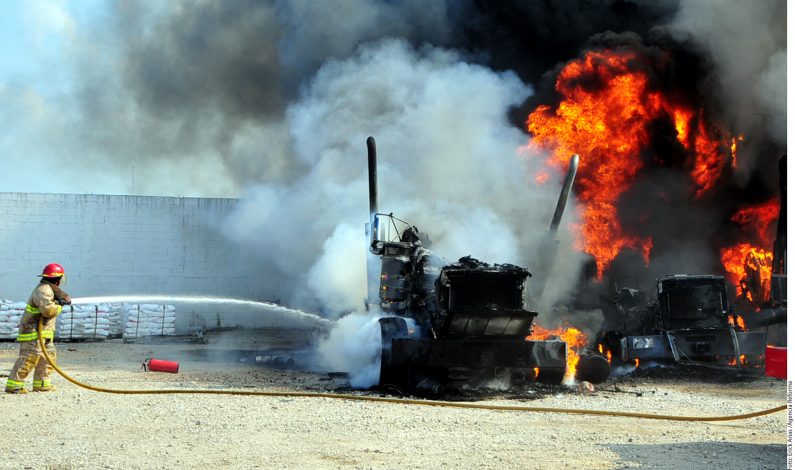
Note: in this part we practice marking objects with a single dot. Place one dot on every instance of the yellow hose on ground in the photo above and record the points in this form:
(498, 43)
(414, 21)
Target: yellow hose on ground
(402, 401)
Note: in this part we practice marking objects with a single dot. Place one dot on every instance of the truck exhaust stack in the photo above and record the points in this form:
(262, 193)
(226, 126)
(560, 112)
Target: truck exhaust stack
(372, 172)
(371, 227)
(549, 246)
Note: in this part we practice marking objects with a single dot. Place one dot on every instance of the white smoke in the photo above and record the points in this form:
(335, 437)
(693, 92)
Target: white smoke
(772, 94)
(337, 277)
(354, 346)
(449, 162)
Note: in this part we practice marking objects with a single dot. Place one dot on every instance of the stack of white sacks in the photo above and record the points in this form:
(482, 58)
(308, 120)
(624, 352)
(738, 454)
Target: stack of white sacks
(10, 315)
(116, 317)
(149, 320)
(84, 322)
(97, 321)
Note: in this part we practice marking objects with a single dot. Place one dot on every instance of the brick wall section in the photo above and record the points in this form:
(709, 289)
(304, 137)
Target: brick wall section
(128, 245)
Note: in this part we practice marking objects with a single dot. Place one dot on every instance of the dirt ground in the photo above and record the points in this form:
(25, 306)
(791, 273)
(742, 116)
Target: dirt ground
(78, 428)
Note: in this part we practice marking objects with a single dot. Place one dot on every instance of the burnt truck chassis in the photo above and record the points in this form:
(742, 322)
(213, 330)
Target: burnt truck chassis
(410, 362)
(688, 323)
(474, 331)
(452, 324)
(696, 345)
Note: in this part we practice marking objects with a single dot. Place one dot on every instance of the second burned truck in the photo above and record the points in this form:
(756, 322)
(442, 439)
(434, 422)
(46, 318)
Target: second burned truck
(453, 324)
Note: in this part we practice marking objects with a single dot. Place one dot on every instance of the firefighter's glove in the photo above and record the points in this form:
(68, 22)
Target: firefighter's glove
(64, 300)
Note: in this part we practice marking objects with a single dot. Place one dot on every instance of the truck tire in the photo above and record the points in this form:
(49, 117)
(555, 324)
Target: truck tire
(592, 368)
(521, 376)
(551, 376)
(392, 374)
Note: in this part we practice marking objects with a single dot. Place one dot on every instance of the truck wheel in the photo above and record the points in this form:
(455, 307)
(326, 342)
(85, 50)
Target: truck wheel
(551, 376)
(392, 327)
(592, 368)
(521, 376)
(392, 374)
(396, 376)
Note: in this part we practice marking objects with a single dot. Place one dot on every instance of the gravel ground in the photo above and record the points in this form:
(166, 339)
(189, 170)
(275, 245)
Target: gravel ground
(79, 428)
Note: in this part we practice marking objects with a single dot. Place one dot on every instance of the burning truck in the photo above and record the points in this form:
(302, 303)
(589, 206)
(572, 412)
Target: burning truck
(694, 319)
(688, 321)
(460, 324)
(664, 189)
(664, 179)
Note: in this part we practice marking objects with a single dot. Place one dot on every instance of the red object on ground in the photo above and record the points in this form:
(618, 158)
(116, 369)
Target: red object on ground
(776, 362)
(159, 365)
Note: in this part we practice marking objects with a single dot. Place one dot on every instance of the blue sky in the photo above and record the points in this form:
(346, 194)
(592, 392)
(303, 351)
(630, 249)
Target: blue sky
(34, 39)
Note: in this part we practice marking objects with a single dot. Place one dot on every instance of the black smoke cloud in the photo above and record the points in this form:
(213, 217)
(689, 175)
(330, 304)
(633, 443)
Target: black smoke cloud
(533, 38)
(204, 86)
(207, 84)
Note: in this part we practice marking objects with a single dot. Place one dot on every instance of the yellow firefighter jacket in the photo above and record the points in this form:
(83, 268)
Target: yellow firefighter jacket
(41, 304)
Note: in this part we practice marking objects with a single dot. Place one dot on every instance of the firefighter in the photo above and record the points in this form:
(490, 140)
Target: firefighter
(46, 302)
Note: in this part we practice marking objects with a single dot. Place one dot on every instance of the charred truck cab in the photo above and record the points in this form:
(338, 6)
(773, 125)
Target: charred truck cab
(693, 320)
(451, 324)
(688, 322)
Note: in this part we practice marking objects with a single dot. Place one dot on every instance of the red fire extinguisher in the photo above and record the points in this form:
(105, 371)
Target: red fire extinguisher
(158, 365)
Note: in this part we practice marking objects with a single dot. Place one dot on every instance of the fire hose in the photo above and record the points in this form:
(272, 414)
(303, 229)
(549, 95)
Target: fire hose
(401, 401)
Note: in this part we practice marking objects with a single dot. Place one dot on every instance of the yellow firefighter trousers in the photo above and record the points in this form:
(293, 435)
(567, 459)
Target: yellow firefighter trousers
(32, 358)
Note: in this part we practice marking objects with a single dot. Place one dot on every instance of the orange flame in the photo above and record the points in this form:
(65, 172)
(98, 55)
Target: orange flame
(758, 273)
(748, 267)
(743, 360)
(760, 218)
(739, 322)
(606, 107)
(606, 352)
(751, 267)
(707, 144)
(735, 141)
(637, 362)
(709, 160)
(682, 124)
(573, 337)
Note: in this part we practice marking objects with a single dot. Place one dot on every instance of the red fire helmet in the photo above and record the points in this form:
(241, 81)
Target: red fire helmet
(52, 270)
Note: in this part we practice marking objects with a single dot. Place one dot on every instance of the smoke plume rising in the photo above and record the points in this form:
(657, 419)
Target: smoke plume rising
(448, 162)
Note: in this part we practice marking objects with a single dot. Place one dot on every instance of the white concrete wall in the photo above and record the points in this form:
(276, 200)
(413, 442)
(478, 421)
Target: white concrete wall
(129, 245)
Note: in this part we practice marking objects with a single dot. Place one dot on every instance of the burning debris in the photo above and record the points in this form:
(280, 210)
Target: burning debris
(750, 269)
(575, 340)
